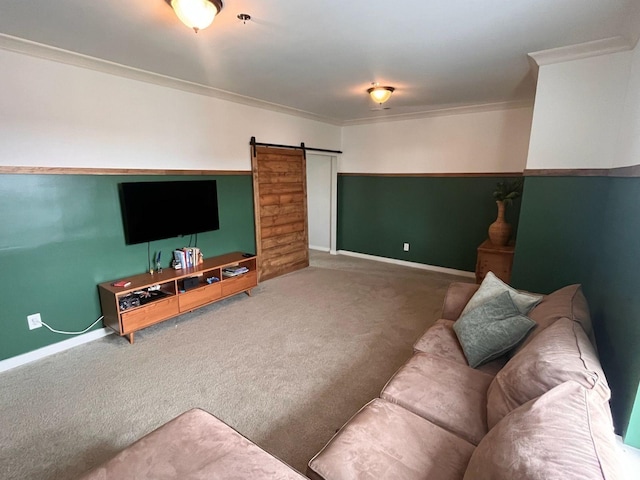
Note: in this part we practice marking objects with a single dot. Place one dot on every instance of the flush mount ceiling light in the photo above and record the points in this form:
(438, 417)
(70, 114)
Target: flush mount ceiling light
(196, 14)
(380, 94)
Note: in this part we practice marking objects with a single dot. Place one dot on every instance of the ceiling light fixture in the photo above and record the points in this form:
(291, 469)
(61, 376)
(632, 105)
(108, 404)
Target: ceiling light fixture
(380, 94)
(196, 14)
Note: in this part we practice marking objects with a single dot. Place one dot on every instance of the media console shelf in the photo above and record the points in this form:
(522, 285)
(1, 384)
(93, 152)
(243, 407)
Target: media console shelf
(167, 295)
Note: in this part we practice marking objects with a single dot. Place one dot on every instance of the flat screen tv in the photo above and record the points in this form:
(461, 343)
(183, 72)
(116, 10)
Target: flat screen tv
(157, 210)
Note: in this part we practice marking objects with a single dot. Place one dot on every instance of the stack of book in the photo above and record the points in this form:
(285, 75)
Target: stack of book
(187, 257)
(233, 271)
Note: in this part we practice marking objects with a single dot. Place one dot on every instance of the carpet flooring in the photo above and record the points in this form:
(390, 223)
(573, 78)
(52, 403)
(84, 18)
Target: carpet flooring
(286, 367)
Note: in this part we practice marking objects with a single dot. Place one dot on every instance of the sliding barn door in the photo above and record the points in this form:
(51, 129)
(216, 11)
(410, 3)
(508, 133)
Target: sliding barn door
(280, 200)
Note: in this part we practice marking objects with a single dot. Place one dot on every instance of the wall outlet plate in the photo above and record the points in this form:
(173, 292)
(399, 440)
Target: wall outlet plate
(34, 321)
(406, 247)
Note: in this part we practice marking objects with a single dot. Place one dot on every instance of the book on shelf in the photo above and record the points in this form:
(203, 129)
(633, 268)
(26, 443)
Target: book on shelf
(187, 257)
(234, 270)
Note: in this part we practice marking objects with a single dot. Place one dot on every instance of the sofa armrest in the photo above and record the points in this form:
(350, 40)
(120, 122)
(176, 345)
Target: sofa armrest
(458, 295)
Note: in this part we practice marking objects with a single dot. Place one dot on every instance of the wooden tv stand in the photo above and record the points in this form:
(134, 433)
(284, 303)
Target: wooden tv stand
(173, 299)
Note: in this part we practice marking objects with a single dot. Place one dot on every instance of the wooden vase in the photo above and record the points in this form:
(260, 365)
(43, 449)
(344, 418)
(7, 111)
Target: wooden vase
(500, 230)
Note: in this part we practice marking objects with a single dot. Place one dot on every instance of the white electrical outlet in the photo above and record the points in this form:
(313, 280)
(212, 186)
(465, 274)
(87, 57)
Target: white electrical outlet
(406, 247)
(34, 321)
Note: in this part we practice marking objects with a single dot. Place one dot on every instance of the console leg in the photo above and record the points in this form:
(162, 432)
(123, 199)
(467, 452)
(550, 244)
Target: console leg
(248, 292)
(130, 337)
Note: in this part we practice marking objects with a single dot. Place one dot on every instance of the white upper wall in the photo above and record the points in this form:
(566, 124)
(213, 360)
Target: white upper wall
(54, 114)
(578, 112)
(482, 142)
(587, 115)
(629, 144)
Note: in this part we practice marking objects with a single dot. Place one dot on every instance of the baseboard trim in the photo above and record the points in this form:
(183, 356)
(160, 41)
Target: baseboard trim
(49, 350)
(630, 457)
(405, 263)
(320, 249)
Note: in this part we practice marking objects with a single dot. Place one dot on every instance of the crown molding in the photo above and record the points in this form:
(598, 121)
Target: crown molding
(582, 50)
(55, 54)
(47, 52)
(442, 112)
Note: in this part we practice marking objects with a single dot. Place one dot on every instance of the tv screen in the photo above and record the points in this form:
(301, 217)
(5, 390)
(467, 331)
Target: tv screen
(157, 210)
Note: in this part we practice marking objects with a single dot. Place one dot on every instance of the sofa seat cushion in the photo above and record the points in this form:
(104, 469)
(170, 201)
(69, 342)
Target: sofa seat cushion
(441, 340)
(559, 353)
(195, 445)
(385, 441)
(565, 433)
(451, 395)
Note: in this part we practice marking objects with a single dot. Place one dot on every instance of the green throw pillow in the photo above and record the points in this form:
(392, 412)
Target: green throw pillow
(491, 330)
(492, 286)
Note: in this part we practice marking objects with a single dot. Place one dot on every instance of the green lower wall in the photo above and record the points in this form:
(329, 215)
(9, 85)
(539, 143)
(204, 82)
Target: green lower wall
(586, 230)
(559, 232)
(617, 303)
(444, 219)
(62, 235)
(632, 435)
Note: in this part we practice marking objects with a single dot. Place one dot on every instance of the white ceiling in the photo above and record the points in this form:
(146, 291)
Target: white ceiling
(321, 56)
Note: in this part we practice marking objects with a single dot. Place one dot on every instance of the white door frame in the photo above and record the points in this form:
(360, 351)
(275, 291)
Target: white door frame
(334, 205)
(333, 200)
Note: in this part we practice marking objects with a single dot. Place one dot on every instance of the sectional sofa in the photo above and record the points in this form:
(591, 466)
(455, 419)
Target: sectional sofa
(535, 407)
(538, 410)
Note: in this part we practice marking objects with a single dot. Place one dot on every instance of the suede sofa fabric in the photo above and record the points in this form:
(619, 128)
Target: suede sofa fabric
(457, 297)
(567, 302)
(384, 441)
(566, 433)
(448, 394)
(561, 352)
(440, 340)
(195, 446)
(536, 433)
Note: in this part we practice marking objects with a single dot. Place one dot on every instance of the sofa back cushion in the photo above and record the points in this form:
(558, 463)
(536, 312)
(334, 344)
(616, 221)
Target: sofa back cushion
(440, 340)
(458, 294)
(568, 302)
(559, 353)
(565, 433)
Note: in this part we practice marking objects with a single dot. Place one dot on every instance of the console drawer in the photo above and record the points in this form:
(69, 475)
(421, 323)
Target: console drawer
(240, 283)
(200, 296)
(149, 314)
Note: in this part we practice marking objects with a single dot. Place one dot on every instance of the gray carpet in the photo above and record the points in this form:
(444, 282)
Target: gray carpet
(286, 367)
